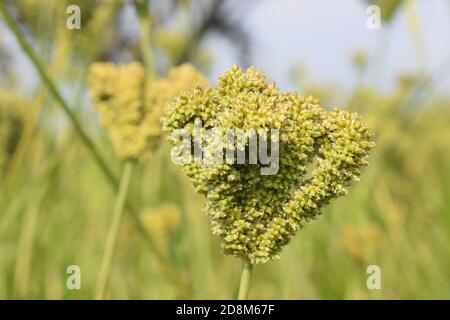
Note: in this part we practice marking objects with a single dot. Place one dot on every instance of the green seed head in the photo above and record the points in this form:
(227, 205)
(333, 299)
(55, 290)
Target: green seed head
(320, 154)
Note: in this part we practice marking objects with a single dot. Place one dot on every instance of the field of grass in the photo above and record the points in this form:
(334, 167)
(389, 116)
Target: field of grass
(56, 204)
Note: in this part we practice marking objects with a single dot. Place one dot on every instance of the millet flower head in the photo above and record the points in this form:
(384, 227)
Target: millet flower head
(320, 154)
(131, 105)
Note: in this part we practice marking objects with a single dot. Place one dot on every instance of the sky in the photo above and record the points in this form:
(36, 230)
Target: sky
(321, 35)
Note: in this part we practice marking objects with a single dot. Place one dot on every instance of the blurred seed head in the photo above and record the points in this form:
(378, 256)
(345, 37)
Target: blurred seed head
(162, 224)
(131, 105)
(172, 42)
(362, 242)
(388, 8)
(359, 59)
(46, 19)
(406, 82)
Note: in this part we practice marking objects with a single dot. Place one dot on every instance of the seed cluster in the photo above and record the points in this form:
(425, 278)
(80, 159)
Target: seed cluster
(131, 105)
(320, 154)
(162, 224)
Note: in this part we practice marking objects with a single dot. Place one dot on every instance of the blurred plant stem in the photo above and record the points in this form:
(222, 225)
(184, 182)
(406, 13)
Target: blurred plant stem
(28, 50)
(59, 59)
(418, 39)
(246, 274)
(113, 230)
(414, 26)
(378, 60)
(25, 244)
(145, 23)
(27, 235)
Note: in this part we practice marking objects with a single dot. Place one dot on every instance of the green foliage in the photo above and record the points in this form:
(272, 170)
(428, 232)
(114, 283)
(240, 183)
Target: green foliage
(12, 121)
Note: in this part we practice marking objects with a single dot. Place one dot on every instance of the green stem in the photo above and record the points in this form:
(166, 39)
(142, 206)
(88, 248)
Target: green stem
(26, 138)
(25, 245)
(113, 228)
(55, 93)
(245, 280)
(145, 23)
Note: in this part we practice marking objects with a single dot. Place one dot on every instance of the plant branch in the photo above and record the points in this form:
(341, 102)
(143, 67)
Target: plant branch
(113, 230)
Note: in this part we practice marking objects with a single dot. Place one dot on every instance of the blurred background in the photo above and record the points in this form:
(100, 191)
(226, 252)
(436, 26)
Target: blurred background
(55, 203)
